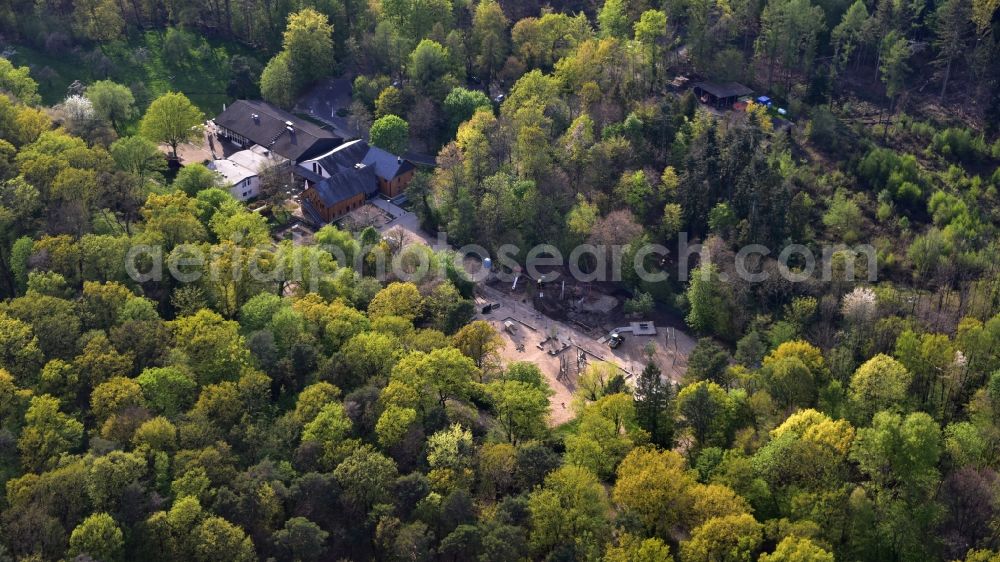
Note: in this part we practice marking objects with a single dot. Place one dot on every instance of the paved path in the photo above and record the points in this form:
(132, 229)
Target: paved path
(423, 159)
(326, 98)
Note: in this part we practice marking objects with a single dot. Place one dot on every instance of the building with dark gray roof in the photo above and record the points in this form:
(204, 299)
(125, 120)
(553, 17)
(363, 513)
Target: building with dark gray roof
(249, 122)
(721, 94)
(392, 172)
(334, 196)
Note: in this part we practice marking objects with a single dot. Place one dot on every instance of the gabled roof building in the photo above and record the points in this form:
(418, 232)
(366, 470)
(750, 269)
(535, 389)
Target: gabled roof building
(249, 122)
(392, 172)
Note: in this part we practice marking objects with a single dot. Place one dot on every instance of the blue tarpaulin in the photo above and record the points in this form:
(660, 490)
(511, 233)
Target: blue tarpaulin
(764, 100)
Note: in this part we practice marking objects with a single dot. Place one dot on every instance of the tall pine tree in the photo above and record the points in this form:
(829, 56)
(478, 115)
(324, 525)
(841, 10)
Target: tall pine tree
(653, 400)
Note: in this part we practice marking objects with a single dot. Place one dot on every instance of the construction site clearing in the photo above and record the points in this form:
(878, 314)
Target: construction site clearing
(562, 327)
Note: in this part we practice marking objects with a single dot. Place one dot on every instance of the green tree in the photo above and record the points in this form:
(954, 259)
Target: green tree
(461, 104)
(366, 477)
(47, 433)
(218, 540)
(569, 514)
(415, 19)
(797, 549)
(900, 458)
(113, 395)
(480, 342)
(429, 380)
(607, 431)
(19, 348)
(631, 548)
(953, 27)
(328, 429)
(708, 361)
(650, 32)
(113, 102)
(308, 41)
(655, 487)
(850, 33)
(213, 346)
(894, 64)
(396, 299)
(110, 476)
(521, 408)
(654, 406)
(708, 301)
(158, 434)
(17, 81)
(194, 178)
(301, 539)
(172, 119)
(99, 537)
(389, 102)
(430, 69)
(878, 384)
(844, 217)
(98, 20)
(168, 390)
(277, 80)
(138, 156)
(390, 133)
(734, 538)
(789, 31)
(704, 409)
(613, 19)
(489, 38)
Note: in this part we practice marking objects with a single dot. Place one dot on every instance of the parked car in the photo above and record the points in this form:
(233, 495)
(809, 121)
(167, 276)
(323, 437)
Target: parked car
(616, 340)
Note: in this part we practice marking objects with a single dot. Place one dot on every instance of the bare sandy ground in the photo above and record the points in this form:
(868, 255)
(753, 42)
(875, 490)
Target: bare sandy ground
(670, 348)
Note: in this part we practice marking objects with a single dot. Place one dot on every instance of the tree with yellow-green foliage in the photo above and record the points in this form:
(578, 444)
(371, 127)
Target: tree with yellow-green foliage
(213, 347)
(880, 383)
(569, 514)
(218, 540)
(705, 409)
(797, 549)
(47, 432)
(172, 119)
(606, 432)
(16, 80)
(308, 40)
(19, 350)
(99, 537)
(521, 408)
(425, 381)
(655, 487)
(276, 82)
(734, 538)
(631, 548)
(480, 342)
(397, 299)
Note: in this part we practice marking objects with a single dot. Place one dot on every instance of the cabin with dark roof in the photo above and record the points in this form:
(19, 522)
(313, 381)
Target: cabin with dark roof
(328, 198)
(720, 94)
(250, 122)
(392, 172)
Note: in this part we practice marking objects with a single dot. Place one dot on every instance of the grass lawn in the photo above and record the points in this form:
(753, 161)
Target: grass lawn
(201, 72)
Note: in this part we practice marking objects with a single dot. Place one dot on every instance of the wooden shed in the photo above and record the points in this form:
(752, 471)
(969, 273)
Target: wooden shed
(720, 94)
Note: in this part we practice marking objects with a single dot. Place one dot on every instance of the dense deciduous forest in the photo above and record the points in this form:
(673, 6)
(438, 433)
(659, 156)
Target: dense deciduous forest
(345, 416)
